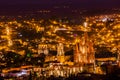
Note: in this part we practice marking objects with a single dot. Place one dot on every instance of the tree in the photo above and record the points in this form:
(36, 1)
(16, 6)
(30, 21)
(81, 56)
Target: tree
(13, 59)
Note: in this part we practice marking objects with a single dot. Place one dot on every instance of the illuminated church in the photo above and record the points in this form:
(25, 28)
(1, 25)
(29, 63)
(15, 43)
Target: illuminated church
(84, 54)
(84, 51)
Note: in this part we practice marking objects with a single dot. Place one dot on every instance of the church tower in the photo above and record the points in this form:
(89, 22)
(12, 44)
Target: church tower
(60, 52)
(84, 51)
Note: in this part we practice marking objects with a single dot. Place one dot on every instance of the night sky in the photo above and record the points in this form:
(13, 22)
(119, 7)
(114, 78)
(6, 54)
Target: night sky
(78, 3)
(12, 7)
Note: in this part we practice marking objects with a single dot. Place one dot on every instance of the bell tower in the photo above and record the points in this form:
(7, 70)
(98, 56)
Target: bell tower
(60, 52)
(84, 51)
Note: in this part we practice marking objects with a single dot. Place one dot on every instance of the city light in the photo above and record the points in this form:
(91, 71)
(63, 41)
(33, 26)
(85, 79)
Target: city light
(60, 41)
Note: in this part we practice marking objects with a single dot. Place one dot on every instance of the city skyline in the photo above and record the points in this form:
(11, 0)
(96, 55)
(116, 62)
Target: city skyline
(59, 39)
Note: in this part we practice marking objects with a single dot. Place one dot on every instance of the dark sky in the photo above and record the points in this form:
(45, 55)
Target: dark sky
(47, 1)
(78, 3)
(12, 5)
